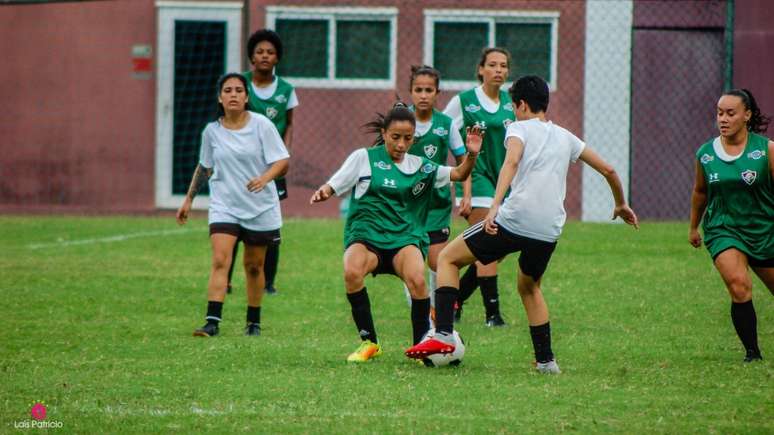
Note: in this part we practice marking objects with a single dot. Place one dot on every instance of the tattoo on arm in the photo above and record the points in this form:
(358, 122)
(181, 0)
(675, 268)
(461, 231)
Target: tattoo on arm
(200, 176)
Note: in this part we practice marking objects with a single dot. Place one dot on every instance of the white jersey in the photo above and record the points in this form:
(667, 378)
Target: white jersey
(236, 156)
(535, 206)
(356, 172)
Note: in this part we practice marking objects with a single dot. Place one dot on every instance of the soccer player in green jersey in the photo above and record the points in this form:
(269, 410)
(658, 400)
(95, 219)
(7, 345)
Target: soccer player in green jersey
(274, 98)
(490, 108)
(733, 197)
(434, 138)
(385, 231)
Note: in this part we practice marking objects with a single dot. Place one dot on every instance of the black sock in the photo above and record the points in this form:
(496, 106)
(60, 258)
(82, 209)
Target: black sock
(214, 311)
(746, 324)
(420, 318)
(234, 254)
(253, 314)
(468, 283)
(541, 342)
(361, 314)
(489, 294)
(270, 264)
(444, 308)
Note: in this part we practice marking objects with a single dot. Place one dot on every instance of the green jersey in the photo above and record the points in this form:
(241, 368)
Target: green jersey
(434, 145)
(274, 108)
(392, 212)
(740, 199)
(492, 154)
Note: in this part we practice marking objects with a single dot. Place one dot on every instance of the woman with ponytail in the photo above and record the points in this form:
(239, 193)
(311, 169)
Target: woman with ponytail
(385, 231)
(733, 197)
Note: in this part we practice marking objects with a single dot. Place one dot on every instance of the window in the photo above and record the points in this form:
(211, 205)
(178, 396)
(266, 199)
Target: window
(454, 39)
(197, 42)
(336, 47)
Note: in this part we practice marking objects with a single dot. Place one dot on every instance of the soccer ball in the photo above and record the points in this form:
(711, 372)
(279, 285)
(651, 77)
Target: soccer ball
(445, 359)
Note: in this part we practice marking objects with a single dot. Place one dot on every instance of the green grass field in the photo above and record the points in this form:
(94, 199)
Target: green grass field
(98, 326)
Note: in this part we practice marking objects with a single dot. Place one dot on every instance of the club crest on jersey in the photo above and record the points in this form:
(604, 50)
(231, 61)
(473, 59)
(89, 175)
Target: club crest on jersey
(440, 131)
(755, 155)
(389, 182)
(280, 99)
(271, 112)
(472, 108)
(428, 168)
(508, 107)
(383, 166)
(430, 150)
(706, 158)
(749, 176)
(418, 188)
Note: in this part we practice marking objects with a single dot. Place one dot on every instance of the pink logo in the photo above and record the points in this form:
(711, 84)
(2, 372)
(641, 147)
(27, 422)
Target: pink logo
(38, 411)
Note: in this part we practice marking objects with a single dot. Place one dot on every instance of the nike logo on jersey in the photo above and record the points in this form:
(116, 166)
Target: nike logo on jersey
(749, 176)
(706, 158)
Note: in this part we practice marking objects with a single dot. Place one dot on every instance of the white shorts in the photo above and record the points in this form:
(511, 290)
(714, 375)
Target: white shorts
(269, 220)
(478, 202)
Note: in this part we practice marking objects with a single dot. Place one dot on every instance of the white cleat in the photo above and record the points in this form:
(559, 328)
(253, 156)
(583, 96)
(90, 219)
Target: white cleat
(551, 367)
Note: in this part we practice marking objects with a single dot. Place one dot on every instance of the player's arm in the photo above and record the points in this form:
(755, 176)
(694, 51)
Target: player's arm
(277, 169)
(288, 136)
(698, 205)
(513, 155)
(200, 176)
(771, 160)
(622, 209)
(462, 171)
(345, 178)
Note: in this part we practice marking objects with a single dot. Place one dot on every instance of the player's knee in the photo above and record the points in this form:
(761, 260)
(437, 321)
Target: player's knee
(416, 284)
(253, 268)
(740, 287)
(353, 274)
(221, 261)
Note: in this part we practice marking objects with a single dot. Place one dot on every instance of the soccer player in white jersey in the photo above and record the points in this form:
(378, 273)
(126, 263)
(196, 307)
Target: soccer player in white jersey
(241, 154)
(530, 220)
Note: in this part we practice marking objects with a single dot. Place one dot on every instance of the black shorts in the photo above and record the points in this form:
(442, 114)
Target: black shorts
(438, 236)
(282, 188)
(248, 237)
(384, 257)
(751, 261)
(535, 254)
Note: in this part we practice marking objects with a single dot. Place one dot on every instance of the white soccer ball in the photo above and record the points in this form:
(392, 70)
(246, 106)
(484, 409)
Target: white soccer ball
(445, 359)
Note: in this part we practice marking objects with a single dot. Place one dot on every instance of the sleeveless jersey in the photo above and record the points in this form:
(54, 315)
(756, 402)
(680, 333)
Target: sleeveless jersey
(740, 199)
(276, 107)
(434, 145)
(492, 154)
(392, 212)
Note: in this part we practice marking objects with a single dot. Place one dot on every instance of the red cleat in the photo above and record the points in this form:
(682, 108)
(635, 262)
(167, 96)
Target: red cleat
(429, 347)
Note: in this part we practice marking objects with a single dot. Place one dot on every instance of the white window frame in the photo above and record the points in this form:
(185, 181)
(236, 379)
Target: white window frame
(168, 13)
(492, 18)
(332, 15)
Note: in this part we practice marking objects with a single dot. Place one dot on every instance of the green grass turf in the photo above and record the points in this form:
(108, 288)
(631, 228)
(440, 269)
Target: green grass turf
(101, 332)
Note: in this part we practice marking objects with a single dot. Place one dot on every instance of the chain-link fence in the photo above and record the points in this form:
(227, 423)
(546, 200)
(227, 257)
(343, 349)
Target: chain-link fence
(637, 80)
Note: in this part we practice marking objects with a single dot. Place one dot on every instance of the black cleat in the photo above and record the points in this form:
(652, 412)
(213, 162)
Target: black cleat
(209, 330)
(753, 356)
(270, 290)
(495, 320)
(253, 329)
(457, 312)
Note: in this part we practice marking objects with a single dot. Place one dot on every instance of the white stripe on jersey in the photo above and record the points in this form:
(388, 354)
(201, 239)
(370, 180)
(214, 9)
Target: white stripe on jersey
(473, 230)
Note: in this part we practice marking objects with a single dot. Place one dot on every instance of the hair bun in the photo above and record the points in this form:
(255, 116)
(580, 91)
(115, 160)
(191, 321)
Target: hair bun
(399, 105)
